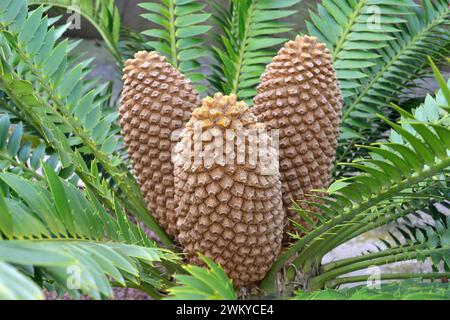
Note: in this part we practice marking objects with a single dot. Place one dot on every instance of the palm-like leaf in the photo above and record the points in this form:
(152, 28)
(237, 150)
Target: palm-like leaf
(59, 230)
(103, 15)
(432, 243)
(132, 41)
(418, 149)
(91, 265)
(69, 112)
(180, 37)
(379, 48)
(16, 286)
(408, 290)
(18, 155)
(350, 31)
(249, 30)
(202, 283)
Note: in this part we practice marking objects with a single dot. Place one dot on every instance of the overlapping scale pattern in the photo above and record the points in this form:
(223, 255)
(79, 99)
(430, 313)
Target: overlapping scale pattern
(157, 100)
(229, 210)
(299, 95)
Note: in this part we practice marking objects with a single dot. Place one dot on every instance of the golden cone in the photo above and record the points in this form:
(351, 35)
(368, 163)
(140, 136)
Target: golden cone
(156, 101)
(299, 95)
(228, 209)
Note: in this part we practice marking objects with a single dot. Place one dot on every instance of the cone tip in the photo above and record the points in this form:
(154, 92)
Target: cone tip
(220, 110)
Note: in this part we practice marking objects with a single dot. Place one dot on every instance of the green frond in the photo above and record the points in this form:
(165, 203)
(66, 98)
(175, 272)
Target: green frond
(17, 286)
(203, 284)
(407, 290)
(78, 267)
(21, 154)
(180, 36)
(422, 209)
(248, 32)
(52, 77)
(353, 30)
(58, 229)
(428, 243)
(132, 41)
(418, 150)
(70, 113)
(102, 15)
(57, 208)
(409, 215)
(379, 48)
(404, 60)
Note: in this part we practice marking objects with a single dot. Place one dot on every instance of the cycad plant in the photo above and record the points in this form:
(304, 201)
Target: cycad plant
(72, 216)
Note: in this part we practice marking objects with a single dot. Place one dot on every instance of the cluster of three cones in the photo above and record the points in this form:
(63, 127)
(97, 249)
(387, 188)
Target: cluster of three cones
(233, 213)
